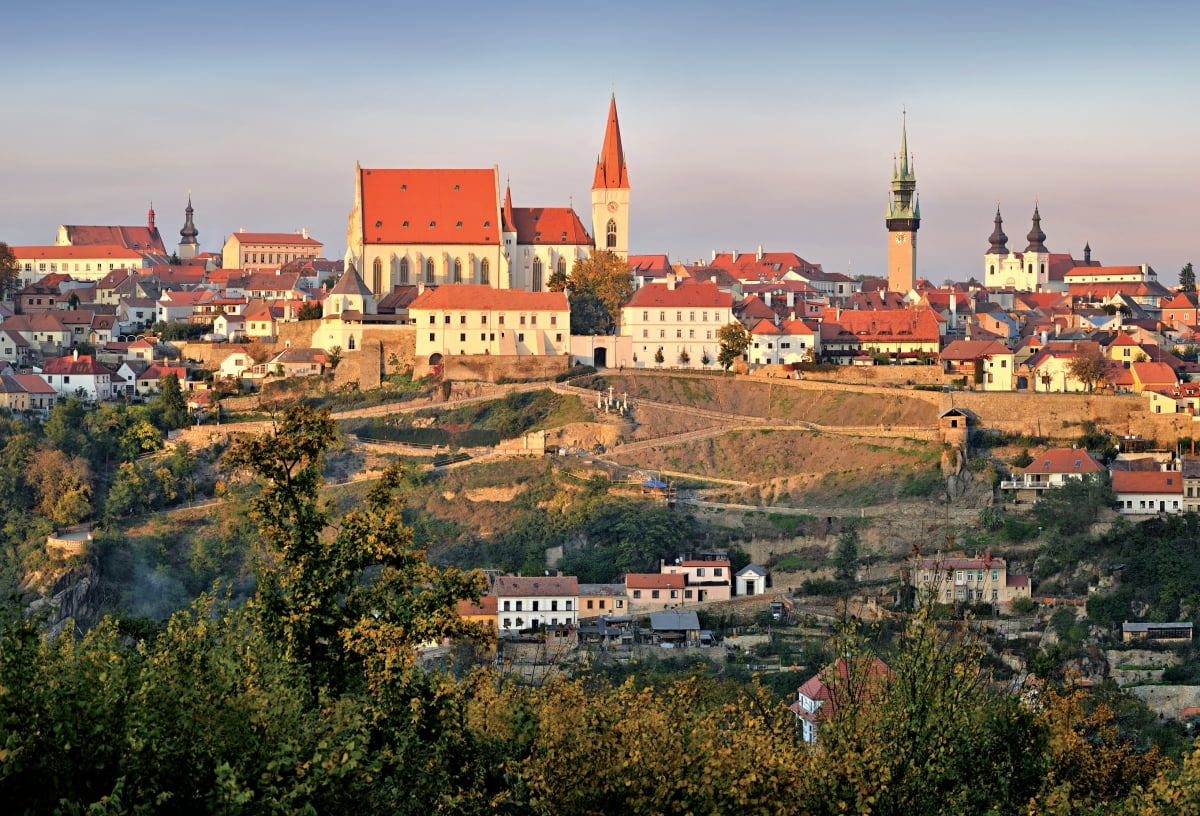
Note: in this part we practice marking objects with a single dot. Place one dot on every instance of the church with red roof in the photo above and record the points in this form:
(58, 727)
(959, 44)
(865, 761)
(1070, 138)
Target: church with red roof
(440, 226)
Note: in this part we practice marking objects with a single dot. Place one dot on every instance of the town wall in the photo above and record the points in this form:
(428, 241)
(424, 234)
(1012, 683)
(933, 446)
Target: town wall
(884, 375)
(495, 367)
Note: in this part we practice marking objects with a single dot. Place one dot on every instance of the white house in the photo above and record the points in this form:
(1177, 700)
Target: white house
(1053, 468)
(751, 580)
(79, 374)
(678, 318)
(531, 603)
(464, 319)
(1148, 492)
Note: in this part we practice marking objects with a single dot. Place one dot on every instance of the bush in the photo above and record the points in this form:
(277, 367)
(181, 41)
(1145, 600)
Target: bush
(822, 586)
(1022, 606)
(574, 371)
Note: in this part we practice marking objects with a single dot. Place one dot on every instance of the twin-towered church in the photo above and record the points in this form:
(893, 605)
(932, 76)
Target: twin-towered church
(452, 226)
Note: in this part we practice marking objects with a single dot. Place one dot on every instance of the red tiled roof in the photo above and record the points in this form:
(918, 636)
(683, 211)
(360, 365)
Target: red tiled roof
(549, 225)
(430, 206)
(685, 293)
(85, 364)
(1064, 460)
(1151, 481)
(646, 264)
(146, 239)
(1103, 270)
(487, 606)
(88, 252)
(478, 296)
(885, 326)
(973, 349)
(654, 580)
(34, 384)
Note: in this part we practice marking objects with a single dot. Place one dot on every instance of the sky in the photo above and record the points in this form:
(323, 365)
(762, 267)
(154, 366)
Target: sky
(744, 124)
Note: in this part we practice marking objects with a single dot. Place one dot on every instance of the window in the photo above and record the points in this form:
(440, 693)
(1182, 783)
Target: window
(590, 603)
(377, 275)
(429, 270)
(645, 315)
(674, 593)
(432, 320)
(518, 606)
(485, 269)
(537, 275)
(501, 320)
(645, 332)
(462, 338)
(554, 606)
(662, 316)
(620, 603)
(535, 606)
(553, 320)
(506, 605)
(446, 319)
(611, 242)
(569, 605)
(687, 593)
(700, 572)
(637, 593)
(508, 623)
(458, 269)
(522, 320)
(718, 572)
(533, 320)
(654, 593)
(520, 337)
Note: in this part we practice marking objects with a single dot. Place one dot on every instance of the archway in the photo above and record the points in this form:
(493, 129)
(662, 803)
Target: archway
(600, 357)
(435, 359)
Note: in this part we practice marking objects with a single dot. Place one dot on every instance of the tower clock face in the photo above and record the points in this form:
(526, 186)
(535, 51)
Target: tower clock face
(901, 238)
(613, 206)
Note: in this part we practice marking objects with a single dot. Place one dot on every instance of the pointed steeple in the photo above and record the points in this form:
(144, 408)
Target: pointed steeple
(189, 247)
(905, 173)
(611, 171)
(902, 204)
(506, 214)
(1087, 253)
(1036, 238)
(150, 216)
(998, 240)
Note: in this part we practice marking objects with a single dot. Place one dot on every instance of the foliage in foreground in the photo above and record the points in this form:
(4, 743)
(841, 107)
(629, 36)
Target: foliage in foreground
(309, 699)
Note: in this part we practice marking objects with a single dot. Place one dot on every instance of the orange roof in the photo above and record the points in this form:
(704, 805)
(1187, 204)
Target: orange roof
(71, 252)
(430, 206)
(1064, 460)
(477, 296)
(611, 170)
(892, 325)
(766, 327)
(1150, 481)
(973, 349)
(1104, 270)
(1154, 373)
(510, 585)
(654, 580)
(549, 225)
(85, 364)
(487, 606)
(145, 238)
(685, 293)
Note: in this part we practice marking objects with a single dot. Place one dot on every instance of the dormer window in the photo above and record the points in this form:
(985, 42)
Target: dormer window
(456, 187)
(433, 223)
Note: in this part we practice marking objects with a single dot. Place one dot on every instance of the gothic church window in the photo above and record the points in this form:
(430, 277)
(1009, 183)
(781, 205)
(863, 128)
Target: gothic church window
(612, 234)
(537, 274)
(377, 275)
(429, 271)
(485, 269)
(562, 265)
(404, 270)
(458, 270)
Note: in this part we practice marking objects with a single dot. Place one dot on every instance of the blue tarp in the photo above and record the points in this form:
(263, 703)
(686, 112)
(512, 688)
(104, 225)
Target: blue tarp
(654, 483)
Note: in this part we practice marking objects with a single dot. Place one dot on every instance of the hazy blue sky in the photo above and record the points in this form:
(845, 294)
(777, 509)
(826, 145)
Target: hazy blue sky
(744, 123)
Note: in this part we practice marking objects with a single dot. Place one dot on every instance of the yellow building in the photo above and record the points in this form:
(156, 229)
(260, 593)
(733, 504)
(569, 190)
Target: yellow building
(956, 579)
(465, 319)
(265, 251)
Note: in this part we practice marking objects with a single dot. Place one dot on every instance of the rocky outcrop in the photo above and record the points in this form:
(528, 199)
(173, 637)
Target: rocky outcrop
(73, 595)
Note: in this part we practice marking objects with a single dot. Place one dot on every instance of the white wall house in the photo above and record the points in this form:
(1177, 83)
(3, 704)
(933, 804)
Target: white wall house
(534, 602)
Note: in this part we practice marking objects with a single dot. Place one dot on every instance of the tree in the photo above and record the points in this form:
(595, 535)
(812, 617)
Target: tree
(558, 281)
(310, 311)
(684, 357)
(659, 356)
(1087, 366)
(334, 358)
(10, 274)
(62, 486)
(1187, 278)
(845, 557)
(599, 284)
(734, 339)
(174, 406)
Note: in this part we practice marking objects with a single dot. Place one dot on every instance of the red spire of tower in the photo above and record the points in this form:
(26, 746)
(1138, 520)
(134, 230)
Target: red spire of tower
(509, 225)
(611, 172)
(150, 216)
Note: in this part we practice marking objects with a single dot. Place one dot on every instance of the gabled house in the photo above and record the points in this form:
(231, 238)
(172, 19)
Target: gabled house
(149, 381)
(988, 364)
(1053, 468)
(135, 314)
(601, 599)
(1148, 492)
(295, 362)
(534, 602)
(855, 679)
(651, 590)
(79, 375)
(708, 576)
(14, 348)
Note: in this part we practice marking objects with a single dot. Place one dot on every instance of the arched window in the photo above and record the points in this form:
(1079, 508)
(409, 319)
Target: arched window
(992, 270)
(485, 270)
(1031, 269)
(612, 234)
(350, 343)
(404, 270)
(377, 275)
(1043, 272)
(537, 275)
(458, 270)
(429, 270)
(562, 265)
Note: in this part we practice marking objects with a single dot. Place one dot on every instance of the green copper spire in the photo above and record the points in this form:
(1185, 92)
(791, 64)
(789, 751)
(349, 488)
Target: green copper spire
(904, 211)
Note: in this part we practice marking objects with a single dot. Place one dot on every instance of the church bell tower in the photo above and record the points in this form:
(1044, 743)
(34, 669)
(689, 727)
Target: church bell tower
(903, 220)
(610, 191)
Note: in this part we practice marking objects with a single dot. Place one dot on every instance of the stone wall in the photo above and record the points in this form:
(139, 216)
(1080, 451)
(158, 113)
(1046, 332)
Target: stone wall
(494, 367)
(884, 375)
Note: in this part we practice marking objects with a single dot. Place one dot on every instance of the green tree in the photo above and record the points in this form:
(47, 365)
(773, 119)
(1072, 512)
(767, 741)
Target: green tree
(310, 311)
(599, 284)
(174, 405)
(10, 274)
(1187, 278)
(558, 281)
(334, 357)
(659, 356)
(734, 339)
(845, 556)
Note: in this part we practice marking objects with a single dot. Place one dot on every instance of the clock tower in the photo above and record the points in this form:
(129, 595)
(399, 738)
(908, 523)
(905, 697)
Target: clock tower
(610, 191)
(903, 220)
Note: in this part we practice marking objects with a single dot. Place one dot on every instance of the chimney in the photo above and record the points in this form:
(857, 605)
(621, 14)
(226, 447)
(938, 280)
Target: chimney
(420, 286)
(75, 354)
(304, 232)
(759, 254)
(672, 281)
(791, 300)
(766, 296)
(735, 255)
(714, 257)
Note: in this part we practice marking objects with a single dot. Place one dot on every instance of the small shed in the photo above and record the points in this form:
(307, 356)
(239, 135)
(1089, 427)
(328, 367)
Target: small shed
(1161, 632)
(954, 426)
(675, 629)
(751, 580)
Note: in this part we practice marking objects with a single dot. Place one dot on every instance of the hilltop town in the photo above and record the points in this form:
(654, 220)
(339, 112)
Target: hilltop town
(727, 462)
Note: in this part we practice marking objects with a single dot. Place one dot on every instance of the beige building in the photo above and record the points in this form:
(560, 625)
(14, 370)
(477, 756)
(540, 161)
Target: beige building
(265, 251)
(465, 319)
(679, 318)
(956, 579)
(90, 262)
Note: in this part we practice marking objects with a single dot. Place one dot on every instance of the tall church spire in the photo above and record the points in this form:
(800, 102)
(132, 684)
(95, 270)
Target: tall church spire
(1036, 238)
(610, 190)
(998, 240)
(611, 171)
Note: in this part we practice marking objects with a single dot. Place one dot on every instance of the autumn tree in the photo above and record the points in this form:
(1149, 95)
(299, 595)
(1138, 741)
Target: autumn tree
(62, 486)
(734, 339)
(599, 284)
(1087, 367)
(310, 311)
